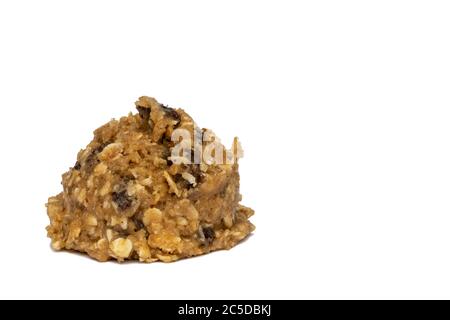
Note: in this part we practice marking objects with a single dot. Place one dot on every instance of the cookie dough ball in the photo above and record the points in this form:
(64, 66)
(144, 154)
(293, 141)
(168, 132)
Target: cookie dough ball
(135, 194)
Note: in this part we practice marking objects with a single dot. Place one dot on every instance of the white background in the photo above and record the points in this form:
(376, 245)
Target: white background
(343, 109)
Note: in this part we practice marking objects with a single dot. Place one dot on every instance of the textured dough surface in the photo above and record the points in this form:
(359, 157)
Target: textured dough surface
(125, 199)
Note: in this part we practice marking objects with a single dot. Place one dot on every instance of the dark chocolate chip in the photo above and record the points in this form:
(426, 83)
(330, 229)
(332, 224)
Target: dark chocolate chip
(165, 154)
(181, 182)
(122, 199)
(135, 256)
(144, 113)
(196, 172)
(92, 160)
(171, 112)
(138, 223)
(177, 178)
(77, 166)
(209, 234)
(166, 141)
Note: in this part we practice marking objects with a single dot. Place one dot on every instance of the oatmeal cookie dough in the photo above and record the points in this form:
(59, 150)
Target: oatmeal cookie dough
(128, 198)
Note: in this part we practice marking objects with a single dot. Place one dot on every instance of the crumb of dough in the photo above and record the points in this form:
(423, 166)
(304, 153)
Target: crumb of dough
(127, 198)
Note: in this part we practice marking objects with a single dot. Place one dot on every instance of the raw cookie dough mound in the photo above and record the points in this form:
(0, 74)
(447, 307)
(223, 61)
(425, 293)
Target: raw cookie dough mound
(129, 198)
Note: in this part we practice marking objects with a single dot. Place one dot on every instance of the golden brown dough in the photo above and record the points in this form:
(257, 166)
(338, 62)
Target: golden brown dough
(128, 198)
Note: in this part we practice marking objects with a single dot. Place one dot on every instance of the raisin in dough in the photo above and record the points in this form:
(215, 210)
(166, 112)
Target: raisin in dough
(125, 198)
